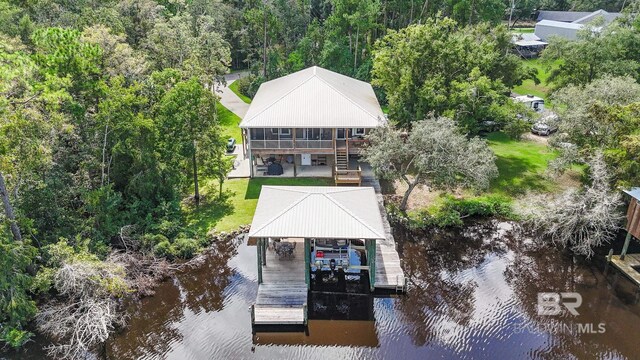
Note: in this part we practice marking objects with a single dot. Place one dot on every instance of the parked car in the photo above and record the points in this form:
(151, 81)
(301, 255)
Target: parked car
(231, 145)
(543, 129)
(488, 126)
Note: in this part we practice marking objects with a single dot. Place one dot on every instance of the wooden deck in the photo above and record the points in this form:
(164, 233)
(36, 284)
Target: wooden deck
(627, 266)
(348, 177)
(282, 296)
(389, 273)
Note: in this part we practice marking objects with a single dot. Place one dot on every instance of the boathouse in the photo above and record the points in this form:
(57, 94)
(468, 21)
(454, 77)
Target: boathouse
(629, 264)
(307, 236)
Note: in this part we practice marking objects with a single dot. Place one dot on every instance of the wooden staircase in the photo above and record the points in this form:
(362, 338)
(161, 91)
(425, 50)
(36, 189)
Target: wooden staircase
(342, 159)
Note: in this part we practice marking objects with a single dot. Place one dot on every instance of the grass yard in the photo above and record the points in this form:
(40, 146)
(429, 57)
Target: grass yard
(229, 123)
(239, 201)
(523, 30)
(234, 88)
(529, 87)
(521, 165)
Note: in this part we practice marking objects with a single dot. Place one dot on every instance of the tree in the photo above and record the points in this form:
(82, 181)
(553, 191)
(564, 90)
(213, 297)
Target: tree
(595, 54)
(189, 127)
(602, 116)
(579, 119)
(419, 66)
(89, 289)
(434, 154)
(581, 219)
(118, 57)
(16, 305)
(522, 9)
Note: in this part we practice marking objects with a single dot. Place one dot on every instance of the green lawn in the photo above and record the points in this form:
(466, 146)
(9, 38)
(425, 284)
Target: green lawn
(229, 123)
(234, 88)
(529, 87)
(521, 165)
(239, 201)
(522, 30)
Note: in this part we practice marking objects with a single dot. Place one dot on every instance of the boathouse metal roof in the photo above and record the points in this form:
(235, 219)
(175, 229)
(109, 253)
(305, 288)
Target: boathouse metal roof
(314, 98)
(317, 212)
(634, 192)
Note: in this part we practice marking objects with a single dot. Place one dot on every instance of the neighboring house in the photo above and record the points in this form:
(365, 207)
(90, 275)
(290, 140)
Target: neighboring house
(528, 45)
(566, 24)
(309, 123)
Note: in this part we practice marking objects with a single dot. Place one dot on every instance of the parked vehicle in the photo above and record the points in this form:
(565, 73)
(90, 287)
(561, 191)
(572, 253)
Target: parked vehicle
(488, 126)
(543, 129)
(231, 145)
(533, 102)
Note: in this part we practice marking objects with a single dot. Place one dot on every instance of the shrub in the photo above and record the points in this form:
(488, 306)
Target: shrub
(185, 247)
(450, 211)
(15, 338)
(149, 241)
(244, 84)
(164, 249)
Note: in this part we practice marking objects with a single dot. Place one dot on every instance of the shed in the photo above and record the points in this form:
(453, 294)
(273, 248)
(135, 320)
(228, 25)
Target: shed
(548, 28)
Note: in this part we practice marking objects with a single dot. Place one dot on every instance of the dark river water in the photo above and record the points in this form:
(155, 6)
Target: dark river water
(472, 293)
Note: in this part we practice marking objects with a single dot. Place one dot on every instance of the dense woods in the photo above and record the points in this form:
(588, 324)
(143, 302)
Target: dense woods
(108, 120)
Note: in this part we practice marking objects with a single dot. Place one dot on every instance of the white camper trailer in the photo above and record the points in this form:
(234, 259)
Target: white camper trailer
(533, 102)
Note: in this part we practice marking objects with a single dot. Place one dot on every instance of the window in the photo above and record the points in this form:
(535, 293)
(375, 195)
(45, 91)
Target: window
(285, 131)
(274, 131)
(358, 132)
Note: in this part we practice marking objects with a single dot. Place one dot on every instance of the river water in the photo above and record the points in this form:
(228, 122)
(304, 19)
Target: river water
(472, 294)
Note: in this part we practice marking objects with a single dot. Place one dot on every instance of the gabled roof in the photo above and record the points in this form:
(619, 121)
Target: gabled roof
(564, 16)
(314, 98)
(608, 17)
(577, 17)
(317, 212)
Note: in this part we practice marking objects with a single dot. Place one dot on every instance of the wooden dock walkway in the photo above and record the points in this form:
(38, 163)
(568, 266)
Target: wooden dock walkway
(389, 273)
(282, 296)
(628, 266)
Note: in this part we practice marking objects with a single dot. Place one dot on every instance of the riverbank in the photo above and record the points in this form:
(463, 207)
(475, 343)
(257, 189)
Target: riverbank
(522, 171)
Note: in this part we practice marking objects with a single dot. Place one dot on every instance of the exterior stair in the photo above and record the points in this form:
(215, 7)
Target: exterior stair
(342, 159)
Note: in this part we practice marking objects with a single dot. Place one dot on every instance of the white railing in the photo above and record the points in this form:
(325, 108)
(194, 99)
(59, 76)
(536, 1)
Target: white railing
(289, 144)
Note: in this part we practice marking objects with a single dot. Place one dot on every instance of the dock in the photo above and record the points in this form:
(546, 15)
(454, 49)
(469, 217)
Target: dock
(282, 295)
(628, 266)
(389, 273)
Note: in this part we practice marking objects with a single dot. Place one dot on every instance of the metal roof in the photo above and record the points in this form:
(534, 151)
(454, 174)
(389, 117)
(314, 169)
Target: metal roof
(314, 98)
(530, 43)
(634, 192)
(560, 24)
(607, 16)
(564, 16)
(527, 98)
(317, 212)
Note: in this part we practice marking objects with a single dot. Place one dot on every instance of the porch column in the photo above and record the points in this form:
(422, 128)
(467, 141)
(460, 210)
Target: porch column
(250, 155)
(307, 262)
(259, 251)
(244, 143)
(371, 262)
(625, 247)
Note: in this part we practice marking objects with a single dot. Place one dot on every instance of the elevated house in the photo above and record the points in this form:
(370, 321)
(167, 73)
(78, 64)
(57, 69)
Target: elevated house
(309, 124)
